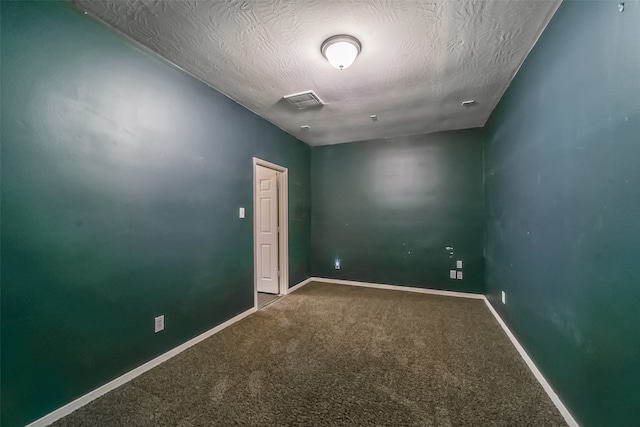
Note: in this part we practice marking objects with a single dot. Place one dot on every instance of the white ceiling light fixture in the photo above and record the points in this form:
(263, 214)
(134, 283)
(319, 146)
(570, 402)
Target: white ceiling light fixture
(341, 50)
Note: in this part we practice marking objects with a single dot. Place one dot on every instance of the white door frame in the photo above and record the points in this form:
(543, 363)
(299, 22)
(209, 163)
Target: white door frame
(283, 220)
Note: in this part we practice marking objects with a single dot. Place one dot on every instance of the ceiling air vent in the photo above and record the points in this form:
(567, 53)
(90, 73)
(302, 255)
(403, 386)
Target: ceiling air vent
(303, 100)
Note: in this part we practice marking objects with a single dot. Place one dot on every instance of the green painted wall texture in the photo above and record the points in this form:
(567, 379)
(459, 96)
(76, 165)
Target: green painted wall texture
(121, 179)
(563, 209)
(121, 182)
(388, 208)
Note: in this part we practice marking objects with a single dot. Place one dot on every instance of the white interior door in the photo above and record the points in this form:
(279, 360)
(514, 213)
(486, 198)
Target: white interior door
(267, 232)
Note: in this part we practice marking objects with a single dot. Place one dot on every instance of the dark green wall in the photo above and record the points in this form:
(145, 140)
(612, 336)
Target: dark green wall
(388, 208)
(121, 182)
(563, 209)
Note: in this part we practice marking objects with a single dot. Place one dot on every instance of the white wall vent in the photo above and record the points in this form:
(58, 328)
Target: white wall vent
(303, 100)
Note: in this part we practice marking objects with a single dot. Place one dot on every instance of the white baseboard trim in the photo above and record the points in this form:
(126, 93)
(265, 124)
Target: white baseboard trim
(399, 288)
(83, 400)
(299, 285)
(534, 369)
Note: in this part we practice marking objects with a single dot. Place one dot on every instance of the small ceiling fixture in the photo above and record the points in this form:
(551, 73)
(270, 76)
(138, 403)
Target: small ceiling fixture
(304, 100)
(341, 50)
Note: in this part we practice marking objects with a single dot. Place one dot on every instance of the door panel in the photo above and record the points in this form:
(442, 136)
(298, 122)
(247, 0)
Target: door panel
(265, 265)
(265, 216)
(267, 223)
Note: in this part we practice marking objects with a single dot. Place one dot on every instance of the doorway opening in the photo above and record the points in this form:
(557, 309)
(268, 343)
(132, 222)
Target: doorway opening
(270, 232)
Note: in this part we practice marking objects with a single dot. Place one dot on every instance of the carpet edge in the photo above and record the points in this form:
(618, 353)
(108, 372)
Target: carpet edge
(125, 378)
(533, 368)
(399, 288)
(301, 284)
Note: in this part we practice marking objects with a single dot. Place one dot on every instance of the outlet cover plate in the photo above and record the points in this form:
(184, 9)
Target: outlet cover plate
(159, 324)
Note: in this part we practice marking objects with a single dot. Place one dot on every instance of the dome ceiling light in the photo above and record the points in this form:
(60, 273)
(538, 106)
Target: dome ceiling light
(341, 50)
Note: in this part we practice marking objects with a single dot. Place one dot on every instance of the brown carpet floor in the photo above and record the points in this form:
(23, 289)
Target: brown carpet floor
(333, 355)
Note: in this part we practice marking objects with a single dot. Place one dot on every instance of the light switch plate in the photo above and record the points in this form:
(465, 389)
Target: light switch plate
(241, 213)
(452, 274)
(459, 275)
(504, 297)
(459, 264)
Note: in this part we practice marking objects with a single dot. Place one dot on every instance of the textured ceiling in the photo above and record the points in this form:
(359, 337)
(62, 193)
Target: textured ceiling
(419, 59)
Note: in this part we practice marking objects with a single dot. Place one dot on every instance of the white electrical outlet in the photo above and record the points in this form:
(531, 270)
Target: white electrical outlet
(159, 324)
(459, 275)
(458, 264)
(241, 213)
(452, 274)
(504, 297)
(337, 264)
